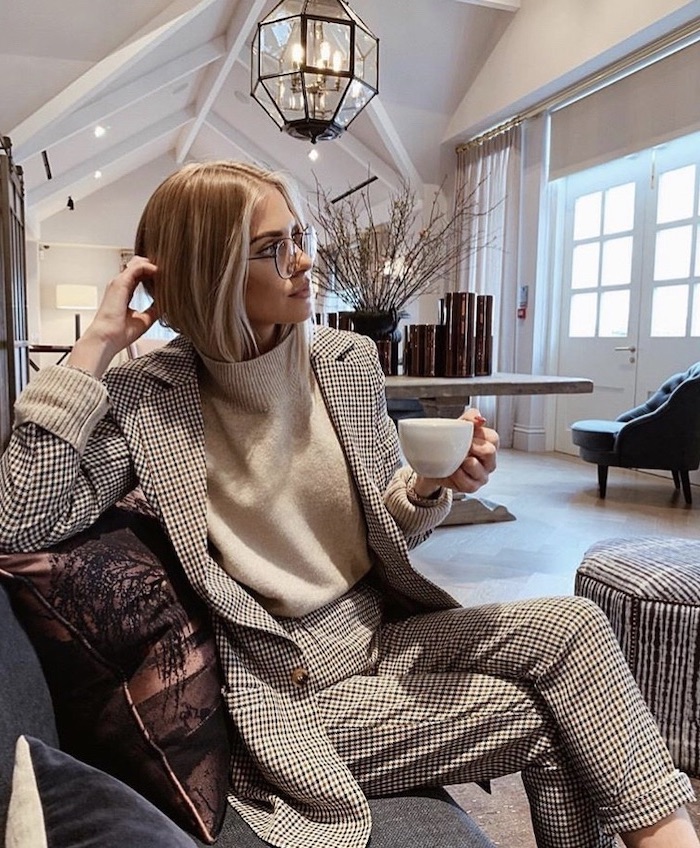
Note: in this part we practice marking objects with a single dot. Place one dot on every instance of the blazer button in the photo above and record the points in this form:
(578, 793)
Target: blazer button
(300, 676)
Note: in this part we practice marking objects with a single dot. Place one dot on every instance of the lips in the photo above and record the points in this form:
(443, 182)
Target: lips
(304, 291)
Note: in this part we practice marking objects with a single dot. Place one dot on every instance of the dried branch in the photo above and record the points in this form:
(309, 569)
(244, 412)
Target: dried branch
(382, 268)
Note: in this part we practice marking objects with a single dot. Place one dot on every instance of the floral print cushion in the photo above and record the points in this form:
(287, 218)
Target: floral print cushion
(130, 660)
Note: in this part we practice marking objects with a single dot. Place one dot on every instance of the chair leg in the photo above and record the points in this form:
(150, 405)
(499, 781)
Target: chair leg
(676, 479)
(602, 480)
(685, 484)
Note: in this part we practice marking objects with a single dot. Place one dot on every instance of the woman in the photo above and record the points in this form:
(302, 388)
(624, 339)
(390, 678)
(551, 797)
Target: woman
(271, 462)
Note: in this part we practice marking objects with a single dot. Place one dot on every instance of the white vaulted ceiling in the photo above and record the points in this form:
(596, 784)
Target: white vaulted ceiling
(170, 81)
(174, 77)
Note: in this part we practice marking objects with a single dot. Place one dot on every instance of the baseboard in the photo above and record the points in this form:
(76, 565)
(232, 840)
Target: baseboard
(528, 438)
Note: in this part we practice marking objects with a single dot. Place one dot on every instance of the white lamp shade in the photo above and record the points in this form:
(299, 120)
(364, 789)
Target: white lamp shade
(69, 296)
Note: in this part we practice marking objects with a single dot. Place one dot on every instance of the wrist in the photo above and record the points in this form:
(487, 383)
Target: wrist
(425, 487)
(92, 355)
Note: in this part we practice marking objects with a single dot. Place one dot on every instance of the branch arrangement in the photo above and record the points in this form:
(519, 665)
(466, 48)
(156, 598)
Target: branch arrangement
(381, 268)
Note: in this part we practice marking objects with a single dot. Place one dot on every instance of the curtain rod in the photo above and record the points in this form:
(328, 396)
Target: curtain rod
(662, 47)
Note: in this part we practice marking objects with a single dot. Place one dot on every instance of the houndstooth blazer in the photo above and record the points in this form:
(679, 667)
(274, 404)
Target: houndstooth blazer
(287, 781)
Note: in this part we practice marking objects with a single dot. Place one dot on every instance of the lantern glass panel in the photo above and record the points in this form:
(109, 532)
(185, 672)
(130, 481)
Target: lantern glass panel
(285, 9)
(328, 45)
(366, 57)
(327, 9)
(323, 95)
(289, 95)
(356, 98)
(262, 95)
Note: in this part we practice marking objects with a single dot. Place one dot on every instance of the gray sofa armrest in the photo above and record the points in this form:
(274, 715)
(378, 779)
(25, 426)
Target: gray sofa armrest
(424, 818)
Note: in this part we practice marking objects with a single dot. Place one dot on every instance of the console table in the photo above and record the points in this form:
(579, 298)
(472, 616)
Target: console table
(447, 396)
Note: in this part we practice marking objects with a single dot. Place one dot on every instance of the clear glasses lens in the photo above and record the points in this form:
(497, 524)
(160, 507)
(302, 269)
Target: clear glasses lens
(288, 251)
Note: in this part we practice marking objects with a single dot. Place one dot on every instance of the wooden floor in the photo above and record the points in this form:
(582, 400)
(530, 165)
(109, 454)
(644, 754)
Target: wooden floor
(554, 498)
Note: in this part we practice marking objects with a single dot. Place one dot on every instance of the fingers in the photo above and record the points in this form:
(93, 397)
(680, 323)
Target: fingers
(472, 414)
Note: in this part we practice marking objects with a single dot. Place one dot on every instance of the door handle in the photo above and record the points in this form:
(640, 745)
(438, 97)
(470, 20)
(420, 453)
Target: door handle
(631, 348)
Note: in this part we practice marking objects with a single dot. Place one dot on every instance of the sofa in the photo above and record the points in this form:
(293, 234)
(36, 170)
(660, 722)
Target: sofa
(112, 726)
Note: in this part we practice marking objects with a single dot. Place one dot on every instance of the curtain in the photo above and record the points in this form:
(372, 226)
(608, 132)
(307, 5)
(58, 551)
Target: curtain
(489, 169)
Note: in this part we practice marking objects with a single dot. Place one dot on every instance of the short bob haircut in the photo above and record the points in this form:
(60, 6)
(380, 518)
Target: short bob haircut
(196, 229)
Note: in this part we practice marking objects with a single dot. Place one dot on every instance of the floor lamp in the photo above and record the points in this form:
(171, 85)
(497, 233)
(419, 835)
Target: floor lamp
(77, 298)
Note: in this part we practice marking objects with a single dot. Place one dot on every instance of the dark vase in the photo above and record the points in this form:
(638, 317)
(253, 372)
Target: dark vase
(382, 328)
(379, 326)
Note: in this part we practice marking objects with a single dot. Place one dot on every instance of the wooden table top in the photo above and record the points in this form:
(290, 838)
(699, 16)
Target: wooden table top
(499, 383)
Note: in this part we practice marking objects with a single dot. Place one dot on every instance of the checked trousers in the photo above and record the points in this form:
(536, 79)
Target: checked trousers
(456, 696)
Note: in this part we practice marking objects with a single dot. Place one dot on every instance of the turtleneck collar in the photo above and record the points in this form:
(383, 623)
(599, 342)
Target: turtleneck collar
(255, 384)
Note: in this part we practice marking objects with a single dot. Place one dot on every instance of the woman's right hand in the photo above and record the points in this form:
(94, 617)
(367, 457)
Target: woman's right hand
(115, 325)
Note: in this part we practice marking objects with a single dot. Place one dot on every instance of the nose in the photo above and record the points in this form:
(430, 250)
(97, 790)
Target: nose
(302, 260)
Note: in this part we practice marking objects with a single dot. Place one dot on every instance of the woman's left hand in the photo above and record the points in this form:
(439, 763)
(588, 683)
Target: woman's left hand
(477, 465)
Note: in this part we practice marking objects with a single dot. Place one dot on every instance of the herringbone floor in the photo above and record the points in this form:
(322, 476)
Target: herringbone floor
(558, 515)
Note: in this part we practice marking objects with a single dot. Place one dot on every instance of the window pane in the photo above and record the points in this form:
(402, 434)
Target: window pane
(672, 259)
(676, 195)
(584, 271)
(617, 262)
(697, 253)
(695, 316)
(669, 311)
(619, 209)
(587, 216)
(614, 314)
(583, 314)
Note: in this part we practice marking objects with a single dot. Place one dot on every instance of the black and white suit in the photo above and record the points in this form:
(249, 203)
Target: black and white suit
(440, 695)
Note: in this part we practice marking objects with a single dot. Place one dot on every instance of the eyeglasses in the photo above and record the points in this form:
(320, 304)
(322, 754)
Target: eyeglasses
(286, 251)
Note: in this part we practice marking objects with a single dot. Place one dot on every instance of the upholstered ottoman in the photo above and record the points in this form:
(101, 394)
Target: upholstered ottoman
(649, 587)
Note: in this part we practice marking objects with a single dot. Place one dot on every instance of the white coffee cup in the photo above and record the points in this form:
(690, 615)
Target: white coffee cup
(435, 447)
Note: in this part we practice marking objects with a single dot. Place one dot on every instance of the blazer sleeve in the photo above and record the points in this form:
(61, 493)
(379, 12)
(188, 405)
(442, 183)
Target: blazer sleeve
(66, 462)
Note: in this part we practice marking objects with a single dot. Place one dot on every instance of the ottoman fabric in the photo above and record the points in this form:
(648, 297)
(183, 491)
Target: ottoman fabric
(649, 587)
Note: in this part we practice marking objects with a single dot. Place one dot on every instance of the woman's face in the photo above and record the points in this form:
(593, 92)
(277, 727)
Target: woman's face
(271, 300)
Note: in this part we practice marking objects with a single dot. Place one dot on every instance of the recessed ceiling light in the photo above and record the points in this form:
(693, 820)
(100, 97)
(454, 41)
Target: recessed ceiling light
(99, 131)
(313, 154)
(98, 175)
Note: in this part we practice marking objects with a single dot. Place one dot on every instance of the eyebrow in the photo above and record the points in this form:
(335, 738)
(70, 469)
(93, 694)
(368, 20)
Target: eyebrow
(277, 233)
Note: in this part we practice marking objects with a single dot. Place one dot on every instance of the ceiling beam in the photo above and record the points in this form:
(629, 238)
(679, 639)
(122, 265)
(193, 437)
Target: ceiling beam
(103, 73)
(247, 148)
(244, 18)
(390, 136)
(362, 154)
(99, 110)
(506, 5)
(63, 182)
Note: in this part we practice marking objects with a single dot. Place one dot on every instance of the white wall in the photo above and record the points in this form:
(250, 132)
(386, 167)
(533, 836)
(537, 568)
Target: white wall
(550, 45)
(109, 216)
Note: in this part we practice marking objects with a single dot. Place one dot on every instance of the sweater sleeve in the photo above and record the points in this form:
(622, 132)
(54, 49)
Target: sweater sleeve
(66, 462)
(416, 516)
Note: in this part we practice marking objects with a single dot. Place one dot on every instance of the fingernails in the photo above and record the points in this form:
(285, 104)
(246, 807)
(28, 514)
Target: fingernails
(479, 421)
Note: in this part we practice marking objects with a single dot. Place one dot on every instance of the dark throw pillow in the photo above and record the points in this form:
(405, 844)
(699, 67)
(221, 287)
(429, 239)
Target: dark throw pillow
(130, 661)
(61, 802)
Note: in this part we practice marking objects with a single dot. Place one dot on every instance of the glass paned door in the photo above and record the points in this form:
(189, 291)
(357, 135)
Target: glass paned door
(670, 308)
(601, 255)
(629, 243)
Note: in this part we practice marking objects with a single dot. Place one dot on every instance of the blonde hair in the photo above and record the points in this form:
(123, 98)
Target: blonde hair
(196, 229)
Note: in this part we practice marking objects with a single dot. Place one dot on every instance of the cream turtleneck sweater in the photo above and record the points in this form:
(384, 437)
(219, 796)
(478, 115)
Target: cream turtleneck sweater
(284, 517)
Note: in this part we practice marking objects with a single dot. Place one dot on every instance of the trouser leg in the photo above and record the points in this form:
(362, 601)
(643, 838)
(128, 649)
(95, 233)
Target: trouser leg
(547, 691)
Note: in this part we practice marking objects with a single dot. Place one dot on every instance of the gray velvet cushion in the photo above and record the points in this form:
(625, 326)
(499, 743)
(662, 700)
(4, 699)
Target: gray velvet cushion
(25, 704)
(63, 803)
